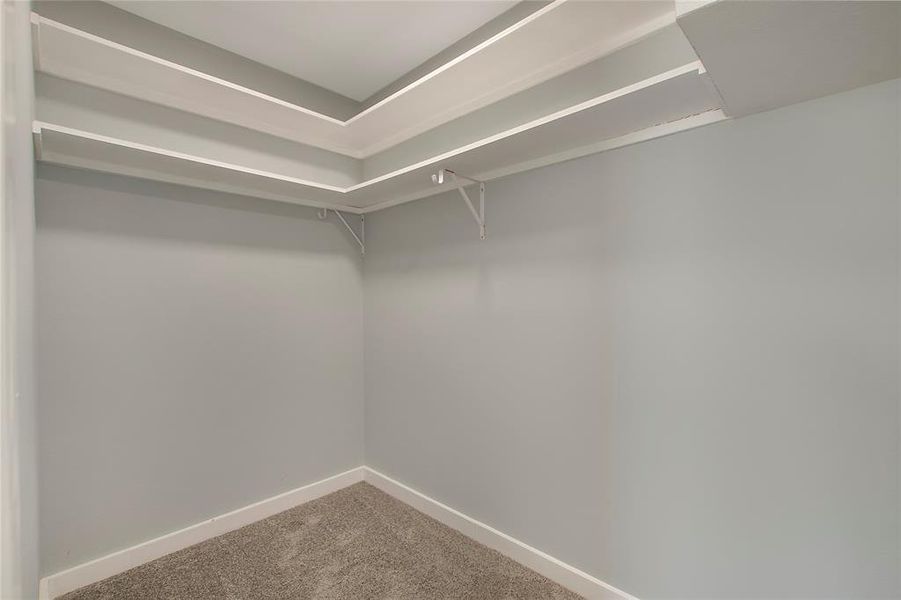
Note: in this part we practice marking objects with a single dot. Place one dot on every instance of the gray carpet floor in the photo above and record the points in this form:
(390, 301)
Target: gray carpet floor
(357, 543)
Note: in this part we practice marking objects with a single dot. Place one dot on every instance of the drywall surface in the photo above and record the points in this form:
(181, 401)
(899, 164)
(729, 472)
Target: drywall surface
(674, 366)
(18, 443)
(198, 352)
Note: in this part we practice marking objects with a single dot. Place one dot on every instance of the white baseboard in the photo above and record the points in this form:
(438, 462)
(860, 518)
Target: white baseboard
(556, 570)
(96, 570)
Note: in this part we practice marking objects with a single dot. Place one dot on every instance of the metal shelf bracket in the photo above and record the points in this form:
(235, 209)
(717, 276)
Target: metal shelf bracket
(322, 213)
(455, 178)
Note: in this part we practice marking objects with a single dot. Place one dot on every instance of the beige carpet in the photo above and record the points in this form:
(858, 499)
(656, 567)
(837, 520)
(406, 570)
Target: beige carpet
(357, 543)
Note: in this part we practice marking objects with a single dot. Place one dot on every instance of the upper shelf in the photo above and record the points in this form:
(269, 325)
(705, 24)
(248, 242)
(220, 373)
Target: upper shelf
(763, 55)
(550, 41)
(659, 105)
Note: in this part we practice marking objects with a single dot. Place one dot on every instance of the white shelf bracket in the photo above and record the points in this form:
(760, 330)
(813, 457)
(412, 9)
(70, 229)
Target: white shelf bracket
(322, 213)
(478, 215)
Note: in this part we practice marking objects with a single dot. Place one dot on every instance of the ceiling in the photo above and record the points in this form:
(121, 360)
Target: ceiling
(354, 48)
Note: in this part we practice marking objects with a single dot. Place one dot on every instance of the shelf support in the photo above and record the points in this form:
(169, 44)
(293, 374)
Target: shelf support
(478, 215)
(322, 213)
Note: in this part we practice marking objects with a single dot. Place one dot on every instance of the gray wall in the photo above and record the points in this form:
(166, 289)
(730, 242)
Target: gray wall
(674, 365)
(198, 352)
(18, 444)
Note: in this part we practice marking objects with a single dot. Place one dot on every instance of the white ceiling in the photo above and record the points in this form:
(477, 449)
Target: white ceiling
(354, 47)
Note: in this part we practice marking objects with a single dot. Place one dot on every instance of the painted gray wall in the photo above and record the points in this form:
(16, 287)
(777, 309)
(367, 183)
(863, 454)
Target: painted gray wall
(674, 365)
(18, 452)
(198, 352)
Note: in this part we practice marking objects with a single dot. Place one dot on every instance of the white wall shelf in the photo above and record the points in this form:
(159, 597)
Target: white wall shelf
(554, 39)
(651, 105)
(62, 145)
(763, 55)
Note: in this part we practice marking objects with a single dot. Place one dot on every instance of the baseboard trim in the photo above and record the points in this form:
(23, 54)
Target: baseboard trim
(568, 576)
(96, 570)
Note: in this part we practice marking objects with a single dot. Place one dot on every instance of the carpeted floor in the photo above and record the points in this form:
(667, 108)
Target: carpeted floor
(357, 543)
